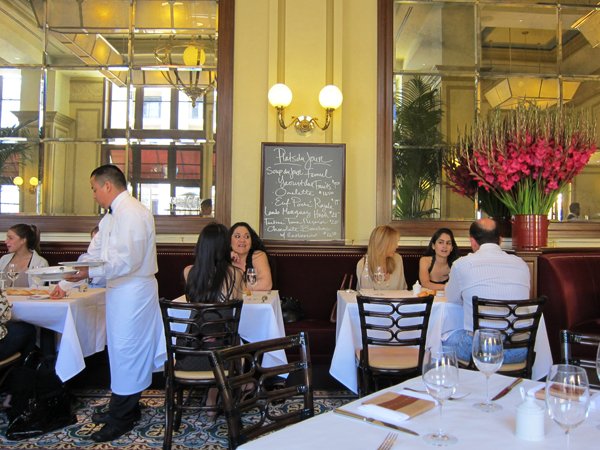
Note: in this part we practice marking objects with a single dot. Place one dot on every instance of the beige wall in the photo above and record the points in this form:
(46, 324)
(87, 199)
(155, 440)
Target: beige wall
(306, 45)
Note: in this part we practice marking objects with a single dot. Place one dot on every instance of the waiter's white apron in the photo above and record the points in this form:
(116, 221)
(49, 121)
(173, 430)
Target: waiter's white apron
(135, 334)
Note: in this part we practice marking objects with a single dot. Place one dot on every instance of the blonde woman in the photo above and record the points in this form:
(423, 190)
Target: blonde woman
(382, 253)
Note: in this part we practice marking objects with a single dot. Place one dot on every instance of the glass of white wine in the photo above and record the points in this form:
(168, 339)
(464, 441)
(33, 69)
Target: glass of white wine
(13, 273)
(488, 356)
(252, 280)
(37, 279)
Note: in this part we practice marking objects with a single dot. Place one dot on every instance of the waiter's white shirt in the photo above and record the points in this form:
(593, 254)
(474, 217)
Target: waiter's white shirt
(488, 273)
(136, 341)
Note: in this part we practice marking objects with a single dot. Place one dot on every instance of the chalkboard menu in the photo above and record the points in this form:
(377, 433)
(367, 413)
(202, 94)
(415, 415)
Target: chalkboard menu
(303, 192)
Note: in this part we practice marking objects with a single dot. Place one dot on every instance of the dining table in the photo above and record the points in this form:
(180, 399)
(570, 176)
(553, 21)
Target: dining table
(472, 428)
(445, 318)
(261, 319)
(79, 321)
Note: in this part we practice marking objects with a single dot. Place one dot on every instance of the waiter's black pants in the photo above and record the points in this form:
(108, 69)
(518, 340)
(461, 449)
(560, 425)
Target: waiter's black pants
(123, 410)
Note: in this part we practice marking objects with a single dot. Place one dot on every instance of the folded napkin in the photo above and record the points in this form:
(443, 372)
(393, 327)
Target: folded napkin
(395, 408)
(539, 392)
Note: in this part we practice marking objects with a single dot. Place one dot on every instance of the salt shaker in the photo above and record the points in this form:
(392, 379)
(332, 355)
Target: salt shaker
(416, 288)
(530, 420)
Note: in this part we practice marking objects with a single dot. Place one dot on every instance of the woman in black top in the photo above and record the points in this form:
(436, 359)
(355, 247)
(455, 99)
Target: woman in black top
(434, 266)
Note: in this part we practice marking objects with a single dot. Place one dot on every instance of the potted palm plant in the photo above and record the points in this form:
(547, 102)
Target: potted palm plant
(417, 149)
(13, 152)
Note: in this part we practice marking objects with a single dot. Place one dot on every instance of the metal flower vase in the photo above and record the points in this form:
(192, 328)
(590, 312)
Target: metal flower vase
(529, 231)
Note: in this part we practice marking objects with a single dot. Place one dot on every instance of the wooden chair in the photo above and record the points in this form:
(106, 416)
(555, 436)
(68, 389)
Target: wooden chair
(253, 390)
(570, 338)
(394, 333)
(518, 322)
(194, 330)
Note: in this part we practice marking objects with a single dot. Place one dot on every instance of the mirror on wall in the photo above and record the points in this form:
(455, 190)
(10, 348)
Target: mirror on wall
(453, 59)
(97, 89)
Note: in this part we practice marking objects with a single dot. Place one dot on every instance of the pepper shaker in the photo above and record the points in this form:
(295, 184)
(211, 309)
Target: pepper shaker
(530, 420)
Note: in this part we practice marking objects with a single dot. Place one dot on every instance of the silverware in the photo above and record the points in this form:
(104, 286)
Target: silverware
(374, 421)
(388, 441)
(507, 389)
(459, 398)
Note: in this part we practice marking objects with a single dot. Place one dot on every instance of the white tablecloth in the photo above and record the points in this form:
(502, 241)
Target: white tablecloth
(474, 429)
(262, 320)
(80, 320)
(445, 318)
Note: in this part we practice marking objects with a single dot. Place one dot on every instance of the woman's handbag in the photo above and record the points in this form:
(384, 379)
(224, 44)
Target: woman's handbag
(43, 403)
(291, 309)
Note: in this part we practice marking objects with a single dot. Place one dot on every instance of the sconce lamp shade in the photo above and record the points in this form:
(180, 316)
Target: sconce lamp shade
(280, 96)
(34, 181)
(18, 181)
(330, 97)
(194, 56)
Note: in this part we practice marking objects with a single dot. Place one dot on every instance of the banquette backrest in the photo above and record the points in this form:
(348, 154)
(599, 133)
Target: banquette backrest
(571, 282)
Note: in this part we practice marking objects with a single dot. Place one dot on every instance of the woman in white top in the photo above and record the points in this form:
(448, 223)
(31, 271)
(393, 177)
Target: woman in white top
(382, 253)
(23, 243)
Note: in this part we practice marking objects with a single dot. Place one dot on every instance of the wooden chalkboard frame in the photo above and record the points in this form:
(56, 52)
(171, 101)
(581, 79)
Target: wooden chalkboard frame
(341, 155)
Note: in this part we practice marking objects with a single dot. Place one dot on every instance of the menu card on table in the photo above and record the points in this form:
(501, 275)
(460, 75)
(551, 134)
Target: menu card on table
(394, 407)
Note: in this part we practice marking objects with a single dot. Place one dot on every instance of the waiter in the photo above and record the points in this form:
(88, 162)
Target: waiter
(135, 336)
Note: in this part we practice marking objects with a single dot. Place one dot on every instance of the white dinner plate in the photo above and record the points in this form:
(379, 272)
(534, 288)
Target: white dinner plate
(54, 273)
(93, 263)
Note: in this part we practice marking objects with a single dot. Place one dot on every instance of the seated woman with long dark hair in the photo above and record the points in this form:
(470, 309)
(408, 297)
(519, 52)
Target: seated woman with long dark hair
(248, 251)
(211, 279)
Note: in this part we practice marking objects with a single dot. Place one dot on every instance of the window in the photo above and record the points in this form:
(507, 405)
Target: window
(474, 56)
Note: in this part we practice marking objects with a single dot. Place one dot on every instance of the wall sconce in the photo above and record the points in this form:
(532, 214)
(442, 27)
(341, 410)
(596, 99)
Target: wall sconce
(330, 98)
(33, 183)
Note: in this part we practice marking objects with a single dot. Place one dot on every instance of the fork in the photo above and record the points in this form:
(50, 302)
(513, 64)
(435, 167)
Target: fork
(425, 392)
(388, 442)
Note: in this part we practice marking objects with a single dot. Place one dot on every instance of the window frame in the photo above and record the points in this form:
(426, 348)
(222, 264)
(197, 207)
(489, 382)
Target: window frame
(385, 104)
(223, 156)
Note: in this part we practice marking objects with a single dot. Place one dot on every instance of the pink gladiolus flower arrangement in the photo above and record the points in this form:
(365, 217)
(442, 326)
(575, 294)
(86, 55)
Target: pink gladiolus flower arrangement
(527, 157)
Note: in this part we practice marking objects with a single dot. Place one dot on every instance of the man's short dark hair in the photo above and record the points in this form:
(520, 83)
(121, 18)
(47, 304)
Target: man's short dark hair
(483, 235)
(573, 208)
(206, 203)
(110, 173)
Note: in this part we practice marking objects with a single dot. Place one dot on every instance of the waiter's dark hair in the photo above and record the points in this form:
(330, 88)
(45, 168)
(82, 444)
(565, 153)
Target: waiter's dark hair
(110, 173)
(212, 273)
(484, 235)
(30, 233)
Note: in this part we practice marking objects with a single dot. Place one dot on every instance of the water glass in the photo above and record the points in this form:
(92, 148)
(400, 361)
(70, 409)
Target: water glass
(440, 376)
(567, 396)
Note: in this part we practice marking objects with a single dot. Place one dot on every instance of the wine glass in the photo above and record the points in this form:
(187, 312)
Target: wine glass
(440, 375)
(251, 279)
(13, 273)
(37, 279)
(379, 276)
(567, 396)
(488, 356)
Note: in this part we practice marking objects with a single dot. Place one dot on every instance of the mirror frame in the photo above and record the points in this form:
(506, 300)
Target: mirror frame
(223, 149)
(425, 227)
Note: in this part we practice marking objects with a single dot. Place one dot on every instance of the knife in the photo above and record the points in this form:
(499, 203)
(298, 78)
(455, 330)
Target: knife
(507, 389)
(374, 421)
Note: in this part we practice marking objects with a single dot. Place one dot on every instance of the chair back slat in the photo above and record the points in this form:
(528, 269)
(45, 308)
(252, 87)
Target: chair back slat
(252, 387)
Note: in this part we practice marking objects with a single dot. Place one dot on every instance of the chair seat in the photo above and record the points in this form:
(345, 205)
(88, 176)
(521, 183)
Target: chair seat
(504, 368)
(194, 375)
(10, 358)
(392, 358)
